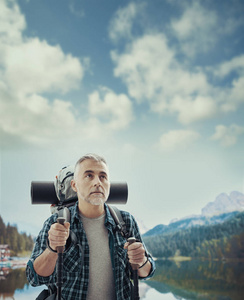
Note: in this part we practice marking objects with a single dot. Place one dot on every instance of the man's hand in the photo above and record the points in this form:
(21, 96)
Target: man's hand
(136, 253)
(58, 235)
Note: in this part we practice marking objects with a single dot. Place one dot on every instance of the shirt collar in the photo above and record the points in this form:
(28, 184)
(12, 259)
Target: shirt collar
(109, 220)
(75, 215)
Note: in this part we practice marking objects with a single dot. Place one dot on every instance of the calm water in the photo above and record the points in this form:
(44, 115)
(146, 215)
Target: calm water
(185, 280)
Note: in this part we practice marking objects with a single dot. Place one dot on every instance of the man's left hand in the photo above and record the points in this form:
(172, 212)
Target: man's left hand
(136, 253)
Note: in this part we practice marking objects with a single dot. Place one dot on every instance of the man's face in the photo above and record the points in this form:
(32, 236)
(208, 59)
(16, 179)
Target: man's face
(91, 182)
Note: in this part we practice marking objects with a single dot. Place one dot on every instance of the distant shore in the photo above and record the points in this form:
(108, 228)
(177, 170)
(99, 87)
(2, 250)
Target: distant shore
(187, 258)
(14, 262)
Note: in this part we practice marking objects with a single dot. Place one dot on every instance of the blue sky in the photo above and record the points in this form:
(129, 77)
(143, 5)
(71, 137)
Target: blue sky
(156, 87)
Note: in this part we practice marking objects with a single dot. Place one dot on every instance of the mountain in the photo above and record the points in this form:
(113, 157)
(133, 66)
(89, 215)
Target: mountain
(224, 203)
(222, 209)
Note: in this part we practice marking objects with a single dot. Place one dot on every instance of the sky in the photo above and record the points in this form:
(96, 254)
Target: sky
(154, 86)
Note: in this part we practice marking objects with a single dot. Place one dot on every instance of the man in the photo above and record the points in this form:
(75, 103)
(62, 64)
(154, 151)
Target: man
(96, 267)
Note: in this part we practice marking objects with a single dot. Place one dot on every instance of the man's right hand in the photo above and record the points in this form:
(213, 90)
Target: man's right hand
(58, 235)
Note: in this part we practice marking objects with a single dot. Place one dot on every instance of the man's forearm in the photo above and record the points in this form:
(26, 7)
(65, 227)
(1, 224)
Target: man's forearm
(44, 264)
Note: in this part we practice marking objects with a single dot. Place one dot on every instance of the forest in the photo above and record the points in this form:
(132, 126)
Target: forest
(18, 242)
(220, 241)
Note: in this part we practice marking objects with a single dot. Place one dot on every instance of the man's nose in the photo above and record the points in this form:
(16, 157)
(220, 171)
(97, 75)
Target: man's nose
(97, 181)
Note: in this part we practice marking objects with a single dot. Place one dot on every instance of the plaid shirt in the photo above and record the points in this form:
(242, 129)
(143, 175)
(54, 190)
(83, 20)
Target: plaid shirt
(76, 257)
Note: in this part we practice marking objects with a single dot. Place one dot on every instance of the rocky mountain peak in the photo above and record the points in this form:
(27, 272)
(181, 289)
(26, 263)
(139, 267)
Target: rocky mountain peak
(225, 203)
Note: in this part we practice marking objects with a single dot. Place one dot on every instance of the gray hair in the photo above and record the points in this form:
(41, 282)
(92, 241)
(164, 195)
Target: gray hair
(92, 156)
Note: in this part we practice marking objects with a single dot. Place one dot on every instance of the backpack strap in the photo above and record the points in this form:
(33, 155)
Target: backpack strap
(120, 224)
(64, 212)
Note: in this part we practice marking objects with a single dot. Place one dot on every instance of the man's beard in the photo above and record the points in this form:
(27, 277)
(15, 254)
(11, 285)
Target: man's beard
(98, 199)
(95, 201)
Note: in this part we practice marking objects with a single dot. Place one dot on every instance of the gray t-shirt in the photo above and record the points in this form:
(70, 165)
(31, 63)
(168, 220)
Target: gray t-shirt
(101, 280)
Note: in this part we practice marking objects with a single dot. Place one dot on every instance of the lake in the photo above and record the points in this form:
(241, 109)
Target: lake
(205, 280)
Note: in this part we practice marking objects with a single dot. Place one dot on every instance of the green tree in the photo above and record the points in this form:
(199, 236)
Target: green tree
(16, 241)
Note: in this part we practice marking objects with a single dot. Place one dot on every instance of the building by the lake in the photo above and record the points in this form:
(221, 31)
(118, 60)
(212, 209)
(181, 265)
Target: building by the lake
(4, 252)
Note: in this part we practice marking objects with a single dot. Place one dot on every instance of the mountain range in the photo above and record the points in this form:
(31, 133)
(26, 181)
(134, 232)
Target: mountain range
(222, 209)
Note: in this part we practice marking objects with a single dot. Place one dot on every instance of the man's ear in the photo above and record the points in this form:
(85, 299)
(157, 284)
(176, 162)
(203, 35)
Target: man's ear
(73, 185)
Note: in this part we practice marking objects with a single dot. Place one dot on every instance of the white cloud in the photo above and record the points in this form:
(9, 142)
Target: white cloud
(114, 111)
(144, 65)
(202, 26)
(75, 9)
(122, 22)
(236, 64)
(177, 140)
(151, 73)
(43, 68)
(227, 136)
(200, 108)
(195, 29)
(29, 68)
(237, 92)
(33, 118)
(233, 95)
(12, 23)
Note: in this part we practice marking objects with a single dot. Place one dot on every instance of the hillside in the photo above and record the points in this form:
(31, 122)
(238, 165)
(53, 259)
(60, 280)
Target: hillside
(221, 240)
(18, 242)
(189, 222)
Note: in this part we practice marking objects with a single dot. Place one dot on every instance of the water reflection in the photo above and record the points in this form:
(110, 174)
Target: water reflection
(186, 280)
(14, 285)
(200, 280)
(10, 281)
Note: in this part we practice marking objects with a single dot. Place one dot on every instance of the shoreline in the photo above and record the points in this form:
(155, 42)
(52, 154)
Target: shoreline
(14, 262)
